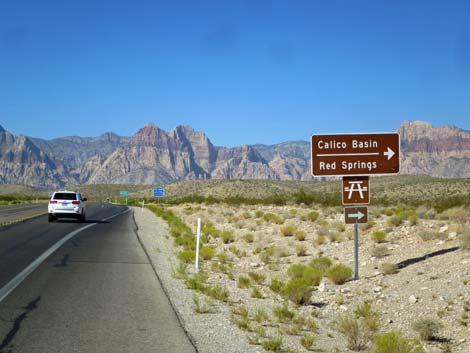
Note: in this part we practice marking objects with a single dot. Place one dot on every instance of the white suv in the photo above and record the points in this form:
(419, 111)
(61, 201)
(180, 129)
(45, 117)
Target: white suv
(67, 204)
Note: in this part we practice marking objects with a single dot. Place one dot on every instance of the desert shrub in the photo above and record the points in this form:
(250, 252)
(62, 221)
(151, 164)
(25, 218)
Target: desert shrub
(413, 220)
(339, 273)
(257, 277)
(380, 251)
(307, 341)
(288, 231)
(271, 217)
(388, 268)
(339, 226)
(249, 237)
(273, 344)
(370, 317)
(276, 285)
(246, 215)
(298, 291)
(312, 276)
(396, 220)
(197, 281)
(203, 306)
(379, 236)
(208, 228)
(256, 293)
(312, 216)
(243, 282)
(349, 327)
(283, 313)
(242, 322)
(218, 292)
(207, 252)
(319, 240)
(267, 254)
(465, 240)
(395, 342)
(458, 214)
(427, 328)
(227, 236)
(360, 327)
(187, 256)
(299, 235)
(301, 250)
(259, 214)
(296, 270)
(321, 263)
(261, 316)
(428, 235)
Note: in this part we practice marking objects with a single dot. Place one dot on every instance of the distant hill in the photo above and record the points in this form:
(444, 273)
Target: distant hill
(153, 156)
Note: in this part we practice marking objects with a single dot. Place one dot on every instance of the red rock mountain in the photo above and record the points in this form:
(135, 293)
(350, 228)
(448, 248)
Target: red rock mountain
(153, 156)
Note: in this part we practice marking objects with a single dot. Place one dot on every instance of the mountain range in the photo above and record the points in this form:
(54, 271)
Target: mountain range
(153, 156)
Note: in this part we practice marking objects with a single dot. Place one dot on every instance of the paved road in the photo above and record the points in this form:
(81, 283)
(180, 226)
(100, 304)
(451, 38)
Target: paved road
(97, 293)
(13, 213)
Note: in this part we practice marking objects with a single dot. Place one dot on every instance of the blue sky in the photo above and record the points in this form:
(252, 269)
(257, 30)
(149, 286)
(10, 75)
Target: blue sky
(251, 71)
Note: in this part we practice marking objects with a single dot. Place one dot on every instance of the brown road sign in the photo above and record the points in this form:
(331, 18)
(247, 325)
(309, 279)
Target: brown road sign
(353, 215)
(356, 190)
(355, 154)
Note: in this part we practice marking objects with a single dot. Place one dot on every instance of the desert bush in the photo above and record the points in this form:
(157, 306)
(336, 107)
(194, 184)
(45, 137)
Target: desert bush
(379, 236)
(458, 214)
(339, 226)
(288, 231)
(296, 270)
(301, 250)
(388, 268)
(227, 236)
(267, 254)
(312, 216)
(319, 240)
(465, 240)
(395, 342)
(349, 327)
(257, 277)
(256, 293)
(243, 282)
(321, 263)
(207, 252)
(187, 256)
(299, 235)
(261, 316)
(259, 214)
(242, 322)
(380, 251)
(276, 285)
(218, 292)
(397, 219)
(271, 217)
(298, 291)
(249, 237)
(203, 306)
(339, 273)
(307, 341)
(427, 328)
(208, 228)
(360, 327)
(283, 313)
(246, 215)
(428, 235)
(197, 281)
(312, 276)
(273, 344)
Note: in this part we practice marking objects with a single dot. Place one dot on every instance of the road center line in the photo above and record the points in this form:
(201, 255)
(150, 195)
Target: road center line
(15, 282)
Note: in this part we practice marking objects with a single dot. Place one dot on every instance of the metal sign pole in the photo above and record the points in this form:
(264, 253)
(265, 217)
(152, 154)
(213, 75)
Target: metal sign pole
(356, 252)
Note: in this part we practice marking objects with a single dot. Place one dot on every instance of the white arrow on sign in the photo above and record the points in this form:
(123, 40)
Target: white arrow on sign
(389, 153)
(357, 215)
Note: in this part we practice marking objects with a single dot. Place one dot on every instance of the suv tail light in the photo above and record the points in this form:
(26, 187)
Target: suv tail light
(53, 201)
(76, 202)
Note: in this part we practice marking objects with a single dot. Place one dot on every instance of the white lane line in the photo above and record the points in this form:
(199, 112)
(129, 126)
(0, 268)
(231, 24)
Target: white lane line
(15, 282)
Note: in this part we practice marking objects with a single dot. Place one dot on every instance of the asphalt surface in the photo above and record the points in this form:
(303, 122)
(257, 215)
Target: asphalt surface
(14, 213)
(96, 293)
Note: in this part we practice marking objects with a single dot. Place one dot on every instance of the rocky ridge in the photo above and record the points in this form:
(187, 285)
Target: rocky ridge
(153, 156)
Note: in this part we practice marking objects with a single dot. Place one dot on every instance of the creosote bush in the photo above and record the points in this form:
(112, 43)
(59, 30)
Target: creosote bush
(312, 216)
(321, 263)
(307, 341)
(298, 291)
(276, 285)
(187, 256)
(379, 236)
(395, 342)
(339, 273)
(243, 282)
(207, 252)
(283, 314)
(273, 344)
(388, 268)
(427, 328)
(288, 231)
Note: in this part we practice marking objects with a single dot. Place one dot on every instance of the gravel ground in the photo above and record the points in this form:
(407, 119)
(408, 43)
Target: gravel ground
(211, 332)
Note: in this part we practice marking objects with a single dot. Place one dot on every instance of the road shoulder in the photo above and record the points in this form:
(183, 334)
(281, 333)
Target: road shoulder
(211, 332)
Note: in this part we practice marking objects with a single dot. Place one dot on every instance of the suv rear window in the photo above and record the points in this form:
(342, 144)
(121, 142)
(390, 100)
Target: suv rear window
(64, 196)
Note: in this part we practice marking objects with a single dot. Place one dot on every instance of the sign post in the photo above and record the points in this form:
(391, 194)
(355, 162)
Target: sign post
(355, 157)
